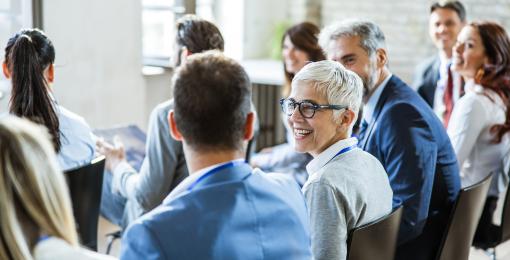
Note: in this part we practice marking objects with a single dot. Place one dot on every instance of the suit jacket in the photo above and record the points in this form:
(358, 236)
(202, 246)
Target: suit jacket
(412, 145)
(426, 77)
(232, 214)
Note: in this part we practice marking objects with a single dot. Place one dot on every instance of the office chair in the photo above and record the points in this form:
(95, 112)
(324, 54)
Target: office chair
(463, 221)
(85, 184)
(375, 240)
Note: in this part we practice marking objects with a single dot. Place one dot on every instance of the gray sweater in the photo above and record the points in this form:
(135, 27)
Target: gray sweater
(342, 193)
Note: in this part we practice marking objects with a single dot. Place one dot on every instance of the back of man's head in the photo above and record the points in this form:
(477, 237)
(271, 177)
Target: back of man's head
(198, 35)
(212, 96)
(455, 6)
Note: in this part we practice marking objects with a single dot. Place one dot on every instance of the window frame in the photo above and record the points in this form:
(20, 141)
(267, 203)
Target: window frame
(180, 8)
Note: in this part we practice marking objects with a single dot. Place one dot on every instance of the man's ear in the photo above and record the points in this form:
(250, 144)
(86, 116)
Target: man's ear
(173, 127)
(184, 54)
(50, 73)
(382, 57)
(6, 70)
(249, 126)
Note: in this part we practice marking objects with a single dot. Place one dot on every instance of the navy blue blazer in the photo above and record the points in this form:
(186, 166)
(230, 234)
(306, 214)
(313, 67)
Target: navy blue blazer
(412, 145)
(232, 214)
(426, 77)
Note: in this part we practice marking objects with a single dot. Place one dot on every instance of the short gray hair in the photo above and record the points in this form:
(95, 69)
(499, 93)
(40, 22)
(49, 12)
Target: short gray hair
(371, 36)
(331, 79)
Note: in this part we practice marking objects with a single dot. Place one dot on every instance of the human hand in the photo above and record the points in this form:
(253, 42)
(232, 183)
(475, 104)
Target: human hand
(114, 153)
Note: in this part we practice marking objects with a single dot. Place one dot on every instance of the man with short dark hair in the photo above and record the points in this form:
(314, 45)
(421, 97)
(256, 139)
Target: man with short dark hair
(400, 130)
(434, 81)
(224, 209)
(128, 194)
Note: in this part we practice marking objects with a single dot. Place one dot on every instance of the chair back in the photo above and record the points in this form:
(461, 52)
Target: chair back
(375, 240)
(505, 219)
(463, 221)
(85, 184)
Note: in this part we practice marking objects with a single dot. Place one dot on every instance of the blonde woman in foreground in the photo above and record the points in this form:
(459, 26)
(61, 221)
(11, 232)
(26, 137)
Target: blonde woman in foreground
(36, 220)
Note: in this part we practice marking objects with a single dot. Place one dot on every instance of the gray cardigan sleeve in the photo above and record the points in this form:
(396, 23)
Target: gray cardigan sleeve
(162, 169)
(329, 220)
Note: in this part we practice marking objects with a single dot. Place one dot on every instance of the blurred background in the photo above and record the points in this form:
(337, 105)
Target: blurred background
(112, 63)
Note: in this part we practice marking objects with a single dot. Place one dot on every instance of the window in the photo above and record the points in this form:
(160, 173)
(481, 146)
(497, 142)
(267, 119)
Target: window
(158, 26)
(14, 15)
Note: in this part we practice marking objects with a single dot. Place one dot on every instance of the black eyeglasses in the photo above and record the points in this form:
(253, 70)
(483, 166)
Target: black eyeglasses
(306, 107)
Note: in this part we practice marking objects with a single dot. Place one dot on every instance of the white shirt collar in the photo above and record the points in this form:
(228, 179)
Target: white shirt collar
(192, 178)
(328, 154)
(369, 107)
(443, 67)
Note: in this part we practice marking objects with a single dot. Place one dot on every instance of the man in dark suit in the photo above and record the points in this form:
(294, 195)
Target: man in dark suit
(401, 130)
(434, 81)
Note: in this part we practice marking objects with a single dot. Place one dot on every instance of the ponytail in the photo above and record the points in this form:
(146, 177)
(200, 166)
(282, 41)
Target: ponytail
(30, 97)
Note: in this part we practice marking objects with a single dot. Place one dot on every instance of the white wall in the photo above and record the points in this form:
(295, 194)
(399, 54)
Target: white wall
(248, 25)
(260, 19)
(404, 22)
(99, 65)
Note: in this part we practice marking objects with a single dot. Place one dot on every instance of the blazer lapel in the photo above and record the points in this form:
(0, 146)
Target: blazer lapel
(377, 111)
(433, 78)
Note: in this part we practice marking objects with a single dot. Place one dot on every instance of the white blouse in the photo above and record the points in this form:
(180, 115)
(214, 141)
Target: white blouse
(469, 130)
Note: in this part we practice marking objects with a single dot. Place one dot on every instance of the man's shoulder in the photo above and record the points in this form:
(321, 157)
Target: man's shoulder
(427, 64)
(191, 206)
(400, 94)
(162, 109)
(425, 73)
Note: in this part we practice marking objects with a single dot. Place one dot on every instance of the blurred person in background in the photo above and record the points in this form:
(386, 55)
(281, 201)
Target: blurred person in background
(480, 123)
(434, 79)
(299, 46)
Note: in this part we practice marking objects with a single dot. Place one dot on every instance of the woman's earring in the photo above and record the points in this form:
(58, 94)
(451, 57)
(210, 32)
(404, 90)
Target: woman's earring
(479, 75)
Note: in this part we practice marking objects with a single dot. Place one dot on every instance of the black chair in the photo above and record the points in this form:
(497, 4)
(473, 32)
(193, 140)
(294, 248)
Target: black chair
(85, 185)
(463, 221)
(376, 240)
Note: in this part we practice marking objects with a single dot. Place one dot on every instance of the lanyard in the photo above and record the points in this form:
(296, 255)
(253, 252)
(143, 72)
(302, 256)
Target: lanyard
(214, 171)
(42, 238)
(346, 149)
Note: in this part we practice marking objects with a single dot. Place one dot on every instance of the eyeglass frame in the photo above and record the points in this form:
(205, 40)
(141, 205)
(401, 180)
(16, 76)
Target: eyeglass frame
(314, 107)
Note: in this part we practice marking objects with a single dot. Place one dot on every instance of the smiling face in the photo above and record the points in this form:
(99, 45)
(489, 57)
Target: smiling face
(313, 135)
(294, 58)
(444, 26)
(348, 51)
(469, 53)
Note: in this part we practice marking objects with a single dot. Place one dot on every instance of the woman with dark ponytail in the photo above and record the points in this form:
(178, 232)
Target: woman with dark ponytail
(29, 57)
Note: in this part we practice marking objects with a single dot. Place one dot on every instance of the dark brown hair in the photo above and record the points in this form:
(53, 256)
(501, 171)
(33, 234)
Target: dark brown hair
(215, 118)
(455, 6)
(27, 55)
(304, 37)
(198, 35)
(496, 74)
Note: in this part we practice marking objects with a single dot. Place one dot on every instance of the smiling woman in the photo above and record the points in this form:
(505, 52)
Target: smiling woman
(347, 187)
(479, 127)
(299, 47)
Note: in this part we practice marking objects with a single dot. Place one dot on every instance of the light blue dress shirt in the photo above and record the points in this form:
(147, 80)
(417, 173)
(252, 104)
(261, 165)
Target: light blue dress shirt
(77, 141)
